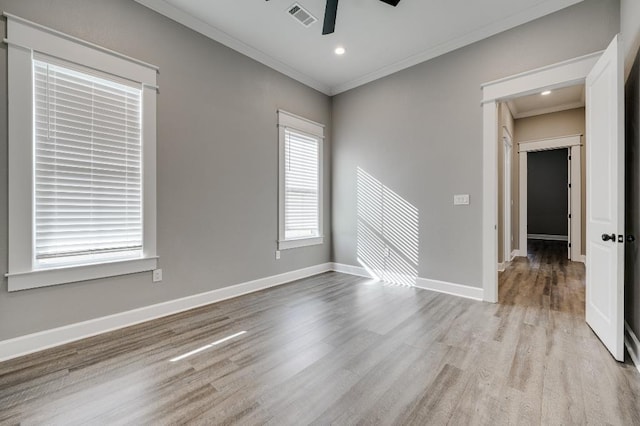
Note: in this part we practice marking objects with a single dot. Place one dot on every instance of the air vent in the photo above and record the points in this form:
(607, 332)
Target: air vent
(301, 15)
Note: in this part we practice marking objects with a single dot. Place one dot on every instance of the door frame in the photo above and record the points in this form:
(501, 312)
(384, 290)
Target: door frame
(574, 144)
(563, 74)
(507, 178)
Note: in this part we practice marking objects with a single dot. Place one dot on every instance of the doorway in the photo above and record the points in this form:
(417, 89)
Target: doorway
(571, 146)
(561, 75)
(548, 197)
(602, 74)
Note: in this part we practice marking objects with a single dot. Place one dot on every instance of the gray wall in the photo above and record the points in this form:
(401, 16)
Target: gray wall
(547, 192)
(632, 210)
(419, 132)
(217, 165)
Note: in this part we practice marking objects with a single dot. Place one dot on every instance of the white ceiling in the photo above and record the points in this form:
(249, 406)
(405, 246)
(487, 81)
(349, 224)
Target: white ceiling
(558, 100)
(379, 38)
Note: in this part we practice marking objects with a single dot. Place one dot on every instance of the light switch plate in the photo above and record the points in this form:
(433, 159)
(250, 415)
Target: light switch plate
(157, 275)
(461, 200)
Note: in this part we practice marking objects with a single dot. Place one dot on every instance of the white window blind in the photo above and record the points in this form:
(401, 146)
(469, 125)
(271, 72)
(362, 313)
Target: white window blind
(88, 184)
(301, 169)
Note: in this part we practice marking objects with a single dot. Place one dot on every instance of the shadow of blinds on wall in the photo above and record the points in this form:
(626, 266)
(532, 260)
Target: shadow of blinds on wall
(388, 232)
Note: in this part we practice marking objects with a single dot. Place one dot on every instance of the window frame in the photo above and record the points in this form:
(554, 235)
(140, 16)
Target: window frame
(309, 128)
(25, 41)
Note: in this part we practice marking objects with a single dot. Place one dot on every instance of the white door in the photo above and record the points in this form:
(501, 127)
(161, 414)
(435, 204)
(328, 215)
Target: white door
(605, 200)
(569, 254)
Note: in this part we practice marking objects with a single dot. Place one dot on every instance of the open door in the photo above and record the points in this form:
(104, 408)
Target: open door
(569, 204)
(605, 200)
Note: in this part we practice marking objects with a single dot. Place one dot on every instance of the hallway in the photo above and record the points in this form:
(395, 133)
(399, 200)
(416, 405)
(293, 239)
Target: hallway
(545, 280)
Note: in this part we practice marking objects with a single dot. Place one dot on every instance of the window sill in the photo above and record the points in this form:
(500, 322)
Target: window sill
(63, 275)
(301, 242)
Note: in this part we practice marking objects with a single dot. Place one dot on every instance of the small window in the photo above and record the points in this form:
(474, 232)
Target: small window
(81, 159)
(300, 177)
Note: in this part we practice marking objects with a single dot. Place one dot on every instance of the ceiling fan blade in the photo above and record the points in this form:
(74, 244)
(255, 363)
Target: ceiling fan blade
(393, 3)
(330, 17)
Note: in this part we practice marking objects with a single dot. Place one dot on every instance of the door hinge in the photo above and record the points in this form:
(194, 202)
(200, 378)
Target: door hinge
(569, 185)
(569, 216)
(569, 158)
(569, 245)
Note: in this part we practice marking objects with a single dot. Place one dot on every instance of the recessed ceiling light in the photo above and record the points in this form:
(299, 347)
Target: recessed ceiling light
(546, 92)
(340, 50)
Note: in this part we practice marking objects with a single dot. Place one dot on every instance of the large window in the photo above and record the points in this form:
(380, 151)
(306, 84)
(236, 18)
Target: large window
(81, 160)
(88, 164)
(300, 200)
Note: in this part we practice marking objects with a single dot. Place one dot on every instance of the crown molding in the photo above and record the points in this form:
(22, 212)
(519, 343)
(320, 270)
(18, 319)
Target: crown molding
(538, 11)
(535, 12)
(189, 21)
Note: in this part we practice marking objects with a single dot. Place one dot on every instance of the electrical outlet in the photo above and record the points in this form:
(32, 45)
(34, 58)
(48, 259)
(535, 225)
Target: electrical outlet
(157, 275)
(277, 254)
(461, 200)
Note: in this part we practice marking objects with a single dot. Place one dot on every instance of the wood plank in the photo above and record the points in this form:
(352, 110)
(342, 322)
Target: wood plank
(340, 349)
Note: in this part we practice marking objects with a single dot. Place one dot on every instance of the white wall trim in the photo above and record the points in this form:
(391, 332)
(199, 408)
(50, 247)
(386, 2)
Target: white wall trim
(316, 131)
(632, 344)
(555, 76)
(514, 254)
(26, 39)
(548, 237)
(490, 201)
(351, 270)
(55, 276)
(574, 143)
(75, 40)
(459, 290)
(550, 143)
(507, 201)
(501, 266)
(562, 74)
(35, 342)
(30, 343)
(522, 201)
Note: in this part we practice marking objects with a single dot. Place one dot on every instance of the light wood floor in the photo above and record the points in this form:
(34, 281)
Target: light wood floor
(343, 350)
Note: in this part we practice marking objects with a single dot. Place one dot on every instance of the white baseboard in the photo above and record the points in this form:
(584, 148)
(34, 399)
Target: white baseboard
(459, 290)
(351, 270)
(547, 237)
(422, 283)
(35, 342)
(579, 258)
(501, 266)
(518, 253)
(30, 343)
(632, 344)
